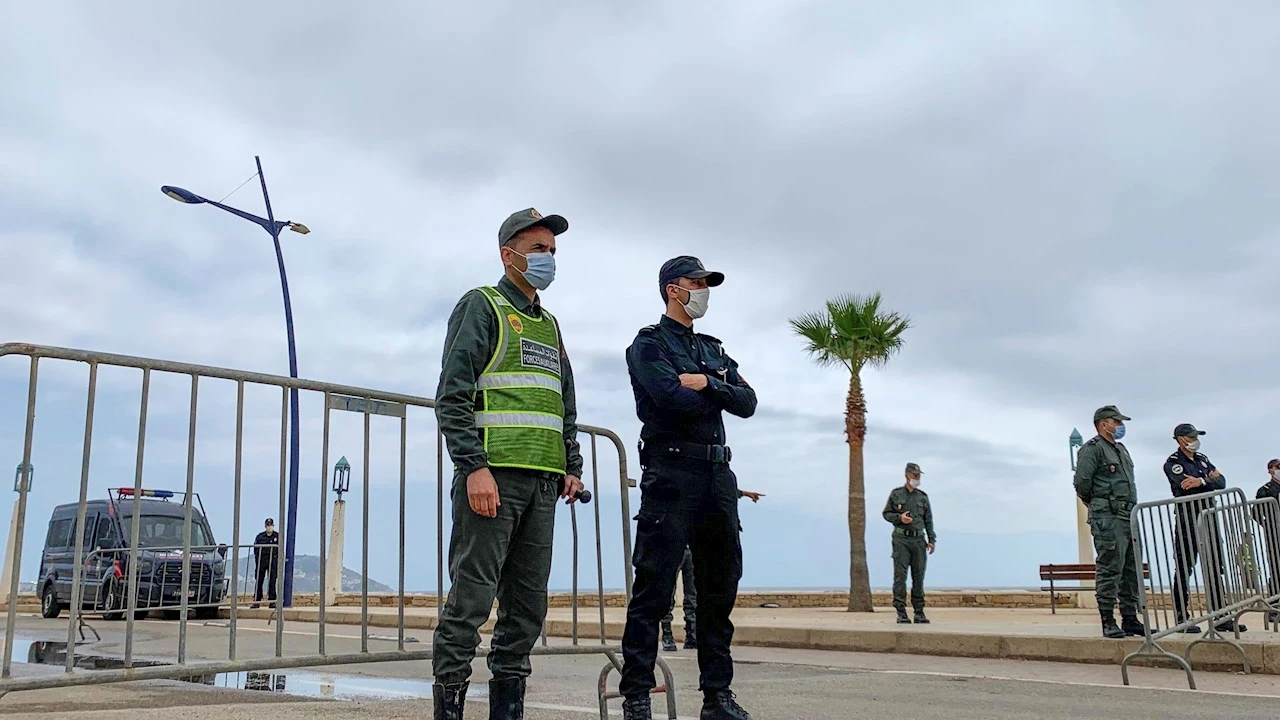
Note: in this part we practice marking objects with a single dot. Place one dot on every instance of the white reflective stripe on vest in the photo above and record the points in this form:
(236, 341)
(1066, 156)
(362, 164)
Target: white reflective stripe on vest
(489, 381)
(519, 419)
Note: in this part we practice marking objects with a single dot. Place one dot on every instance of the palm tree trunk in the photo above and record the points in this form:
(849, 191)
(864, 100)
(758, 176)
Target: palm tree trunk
(855, 422)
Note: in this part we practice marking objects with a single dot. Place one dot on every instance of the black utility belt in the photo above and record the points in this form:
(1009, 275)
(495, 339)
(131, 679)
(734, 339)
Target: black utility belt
(909, 533)
(687, 451)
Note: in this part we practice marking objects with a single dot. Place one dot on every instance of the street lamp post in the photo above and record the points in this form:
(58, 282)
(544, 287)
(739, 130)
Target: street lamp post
(1084, 536)
(10, 556)
(273, 228)
(337, 537)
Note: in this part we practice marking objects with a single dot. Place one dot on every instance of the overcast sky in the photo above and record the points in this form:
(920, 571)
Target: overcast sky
(1073, 202)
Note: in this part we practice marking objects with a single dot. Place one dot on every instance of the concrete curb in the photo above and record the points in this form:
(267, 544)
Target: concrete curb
(1264, 658)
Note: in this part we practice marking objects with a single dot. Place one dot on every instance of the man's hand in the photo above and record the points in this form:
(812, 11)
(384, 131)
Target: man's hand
(930, 547)
(482, 493)
(906, 518)
(693, 382)
(755, 496)
(570, 488)
(1214, 474)
(1192, 482)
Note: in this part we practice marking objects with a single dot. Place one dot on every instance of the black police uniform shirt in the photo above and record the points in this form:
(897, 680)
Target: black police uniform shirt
(1270, 490)
(1179, 467)
(668, 410)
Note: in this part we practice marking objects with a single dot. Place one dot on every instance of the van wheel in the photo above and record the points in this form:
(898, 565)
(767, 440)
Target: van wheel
(49, 602)
(113, 602)
(207, 613)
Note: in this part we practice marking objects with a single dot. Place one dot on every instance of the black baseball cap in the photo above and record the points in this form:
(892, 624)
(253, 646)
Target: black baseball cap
(269, 521)
(1186, 430)
(687, 266)
(527, 218)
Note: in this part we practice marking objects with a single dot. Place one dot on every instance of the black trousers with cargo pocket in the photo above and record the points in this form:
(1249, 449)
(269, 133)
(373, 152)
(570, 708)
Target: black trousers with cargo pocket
(694, 503)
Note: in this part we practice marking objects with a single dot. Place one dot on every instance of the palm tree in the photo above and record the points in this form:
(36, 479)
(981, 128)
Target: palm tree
(854, 331)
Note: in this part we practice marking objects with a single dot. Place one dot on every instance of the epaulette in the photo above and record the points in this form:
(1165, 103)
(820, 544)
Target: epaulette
(1173, 457)
(1092, 441)
(647, 330)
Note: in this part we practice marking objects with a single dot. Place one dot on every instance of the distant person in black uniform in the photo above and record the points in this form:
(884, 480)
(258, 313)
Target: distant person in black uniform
(266, 560)
(683, 382)
(1270, 532)
(1191, 473)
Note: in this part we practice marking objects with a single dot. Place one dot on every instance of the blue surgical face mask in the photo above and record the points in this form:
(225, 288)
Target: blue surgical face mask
(541, 271)
(1118, 432)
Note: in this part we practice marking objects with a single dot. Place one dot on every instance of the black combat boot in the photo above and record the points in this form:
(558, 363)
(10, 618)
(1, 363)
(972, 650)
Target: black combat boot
(721, 705)
(448, 700)
(691, 635)
(1109, 627)
(902, 617)
(637, 708)
(506, 698)
(1130, 625)
(1229, 626)
(920, 618)
(668, 640)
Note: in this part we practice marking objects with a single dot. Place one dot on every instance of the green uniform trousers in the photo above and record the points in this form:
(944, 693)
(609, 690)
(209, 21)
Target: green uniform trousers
(1117, 574)
(909, 552)
(507, 557)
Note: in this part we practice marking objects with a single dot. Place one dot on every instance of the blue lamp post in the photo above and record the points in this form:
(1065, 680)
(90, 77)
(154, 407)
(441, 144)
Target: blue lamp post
(273, 228)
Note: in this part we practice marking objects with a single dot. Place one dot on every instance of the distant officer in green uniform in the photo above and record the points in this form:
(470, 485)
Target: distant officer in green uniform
(911, 515)
(507, 409)
(1104, 482)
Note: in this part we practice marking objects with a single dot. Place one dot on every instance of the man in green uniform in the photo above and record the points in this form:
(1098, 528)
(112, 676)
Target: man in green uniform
(507, 409)
(1104, 482)
(911, 515)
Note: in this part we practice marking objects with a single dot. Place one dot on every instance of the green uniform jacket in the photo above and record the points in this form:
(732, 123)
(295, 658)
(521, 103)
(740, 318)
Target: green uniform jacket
(1104, 477)
(469, 343)
(915, 502)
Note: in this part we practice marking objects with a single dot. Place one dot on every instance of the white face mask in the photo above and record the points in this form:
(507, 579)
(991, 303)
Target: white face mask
(914, 482)
(1194, 445)
(697, 305)
(1276, 474)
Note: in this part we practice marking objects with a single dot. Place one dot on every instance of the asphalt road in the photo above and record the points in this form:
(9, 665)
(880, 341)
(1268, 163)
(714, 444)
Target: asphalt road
(773, 684)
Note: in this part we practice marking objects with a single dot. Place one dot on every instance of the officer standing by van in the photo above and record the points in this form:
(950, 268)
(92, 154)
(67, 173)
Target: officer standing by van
(683, 382)
(1104, 482)
(909, 511)
(507, 409)
(266, 562)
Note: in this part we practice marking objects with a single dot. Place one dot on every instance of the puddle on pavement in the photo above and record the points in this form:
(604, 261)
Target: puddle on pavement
(305, 683)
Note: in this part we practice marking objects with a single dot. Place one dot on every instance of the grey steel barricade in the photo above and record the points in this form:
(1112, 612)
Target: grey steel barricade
(1263, 560)
(1193, 579)
(115, 591)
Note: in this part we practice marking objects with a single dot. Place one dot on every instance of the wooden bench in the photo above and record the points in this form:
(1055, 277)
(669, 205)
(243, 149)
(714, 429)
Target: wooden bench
(1054, 574)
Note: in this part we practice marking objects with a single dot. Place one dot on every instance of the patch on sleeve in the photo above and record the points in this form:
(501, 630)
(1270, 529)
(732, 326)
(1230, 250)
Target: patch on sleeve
(1176, 469)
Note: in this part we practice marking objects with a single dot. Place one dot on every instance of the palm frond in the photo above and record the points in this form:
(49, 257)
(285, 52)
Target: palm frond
(854, 331)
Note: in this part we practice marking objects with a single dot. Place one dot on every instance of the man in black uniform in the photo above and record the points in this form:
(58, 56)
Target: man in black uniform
(683, 381)
(1191, 473)
(1270, 532)
(266, 561)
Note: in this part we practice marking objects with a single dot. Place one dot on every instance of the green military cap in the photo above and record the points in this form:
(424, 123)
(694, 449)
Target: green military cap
(1107, 412)
(1186, 430)
(526, 219)
(913, 468)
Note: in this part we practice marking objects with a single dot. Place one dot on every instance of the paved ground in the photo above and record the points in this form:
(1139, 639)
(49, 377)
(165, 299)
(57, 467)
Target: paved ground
(774, 683)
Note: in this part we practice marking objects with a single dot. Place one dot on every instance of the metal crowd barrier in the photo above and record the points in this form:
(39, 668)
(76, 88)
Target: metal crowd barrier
(1202, 551)
(364, 401)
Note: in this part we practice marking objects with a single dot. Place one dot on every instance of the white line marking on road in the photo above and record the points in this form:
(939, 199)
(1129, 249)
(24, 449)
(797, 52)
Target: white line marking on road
(936, 673)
